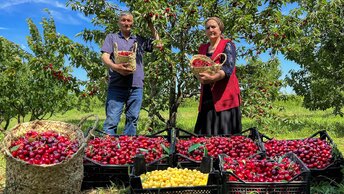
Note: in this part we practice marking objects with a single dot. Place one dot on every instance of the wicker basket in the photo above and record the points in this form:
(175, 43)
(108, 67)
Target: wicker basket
(207, 64)
(130, 58)
(63, 177)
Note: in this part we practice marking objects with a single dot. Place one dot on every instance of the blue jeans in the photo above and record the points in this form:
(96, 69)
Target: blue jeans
(116, 99)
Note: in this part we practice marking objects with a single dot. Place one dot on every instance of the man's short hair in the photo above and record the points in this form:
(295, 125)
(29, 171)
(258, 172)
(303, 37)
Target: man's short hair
(124, 13)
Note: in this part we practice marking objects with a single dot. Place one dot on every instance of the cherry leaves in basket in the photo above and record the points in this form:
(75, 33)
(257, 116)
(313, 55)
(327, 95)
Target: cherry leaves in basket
(47, 147)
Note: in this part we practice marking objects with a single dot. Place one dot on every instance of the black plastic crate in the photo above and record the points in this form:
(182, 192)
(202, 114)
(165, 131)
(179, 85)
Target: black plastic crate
(185, 161)
(299, 184)
(213, 186)
(330, 173)
(333, 172)
(263, 188)
(104, 175)
(99, 175)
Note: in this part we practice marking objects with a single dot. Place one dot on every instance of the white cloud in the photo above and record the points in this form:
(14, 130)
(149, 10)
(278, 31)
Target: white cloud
(7, 4)
(83, 17)
(65, 18)
(62, 17)
(23, 47)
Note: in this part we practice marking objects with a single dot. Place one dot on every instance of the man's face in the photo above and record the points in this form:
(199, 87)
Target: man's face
(125, 23)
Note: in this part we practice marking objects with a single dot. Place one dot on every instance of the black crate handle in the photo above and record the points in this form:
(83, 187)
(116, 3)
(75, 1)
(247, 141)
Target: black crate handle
(158, 160)
(323, 135)
(222, 170)
(178, 130)
(264, 136)
(139, 165)
(255, 135)
(90, 131)
(187, 158)
(304, 168)
(206, 164)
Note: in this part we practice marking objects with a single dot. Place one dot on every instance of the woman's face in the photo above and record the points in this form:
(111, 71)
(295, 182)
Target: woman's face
(212, 29)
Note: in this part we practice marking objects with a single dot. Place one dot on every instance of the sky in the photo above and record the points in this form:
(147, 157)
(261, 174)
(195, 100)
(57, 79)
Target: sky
(14, 27)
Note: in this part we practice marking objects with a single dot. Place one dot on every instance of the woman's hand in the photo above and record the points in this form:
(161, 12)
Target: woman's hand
(207, 78)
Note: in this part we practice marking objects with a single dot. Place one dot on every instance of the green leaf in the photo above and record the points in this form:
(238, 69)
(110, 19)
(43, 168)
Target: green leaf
(15, 148)
(205, 151)
(165, 148)
(91, 149)
(32, 139)
(279, 160)
(230, 170)
(143, 150)
(118, 145)
(194, 147)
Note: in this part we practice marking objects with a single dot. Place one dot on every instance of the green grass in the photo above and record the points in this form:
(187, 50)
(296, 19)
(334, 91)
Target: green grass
(303, 123)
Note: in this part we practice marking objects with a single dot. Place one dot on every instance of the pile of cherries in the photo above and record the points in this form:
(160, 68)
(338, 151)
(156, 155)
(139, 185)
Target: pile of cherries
(121, 150)
(314, 152)
(237, 147)
(252, 170)
(47, 147)
(200, 63)
(125, 53)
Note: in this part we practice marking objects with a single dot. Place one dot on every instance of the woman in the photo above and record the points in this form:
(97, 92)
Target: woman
(219, 107)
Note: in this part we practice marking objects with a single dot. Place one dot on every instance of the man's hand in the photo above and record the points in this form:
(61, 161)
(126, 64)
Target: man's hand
(156, 36)
(160, 46)
(123, 69)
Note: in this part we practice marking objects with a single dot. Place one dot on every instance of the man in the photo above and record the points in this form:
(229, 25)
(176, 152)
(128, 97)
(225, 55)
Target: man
(125, 86)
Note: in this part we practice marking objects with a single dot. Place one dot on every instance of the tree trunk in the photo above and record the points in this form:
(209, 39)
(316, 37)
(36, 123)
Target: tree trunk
(172, 103)
(7, 124)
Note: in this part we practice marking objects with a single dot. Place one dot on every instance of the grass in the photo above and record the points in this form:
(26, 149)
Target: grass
(303, 124)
